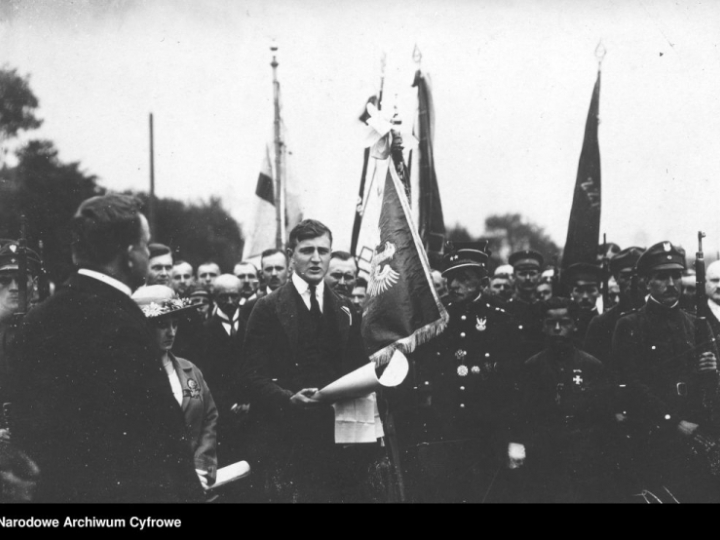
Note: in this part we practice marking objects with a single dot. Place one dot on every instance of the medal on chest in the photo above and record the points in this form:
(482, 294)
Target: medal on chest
(481, 324)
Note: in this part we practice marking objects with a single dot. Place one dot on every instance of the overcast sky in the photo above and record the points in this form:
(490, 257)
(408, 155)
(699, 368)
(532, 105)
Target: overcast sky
(511, 80)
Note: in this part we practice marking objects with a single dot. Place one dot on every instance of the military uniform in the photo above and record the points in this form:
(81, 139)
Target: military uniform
(526, 311)
(563, 417)
(452, 409)
(598, 338)
(656, 349)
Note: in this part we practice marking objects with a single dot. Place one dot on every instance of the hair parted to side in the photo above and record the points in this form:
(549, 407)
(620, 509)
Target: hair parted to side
(361, 282)
(305, 230)
(342, 255)
(270, 252)
(158, 249)
(103, 227)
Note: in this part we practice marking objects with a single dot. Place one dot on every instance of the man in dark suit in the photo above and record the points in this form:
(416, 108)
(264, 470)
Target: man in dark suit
(300, 338)
(220, 359)
(94, 408)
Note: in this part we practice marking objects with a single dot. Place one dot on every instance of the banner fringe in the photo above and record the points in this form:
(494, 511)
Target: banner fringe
(408, 344)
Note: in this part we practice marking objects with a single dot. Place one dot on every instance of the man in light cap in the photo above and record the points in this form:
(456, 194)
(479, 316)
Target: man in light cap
(454, 405)
(668, 360)
(598, 339)
(583, 282)
(526, 275)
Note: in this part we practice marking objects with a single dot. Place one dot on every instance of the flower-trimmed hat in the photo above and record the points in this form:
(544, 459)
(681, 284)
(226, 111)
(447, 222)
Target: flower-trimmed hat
(159, 300)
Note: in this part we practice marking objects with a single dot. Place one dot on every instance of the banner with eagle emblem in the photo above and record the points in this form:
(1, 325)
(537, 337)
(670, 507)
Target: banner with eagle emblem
(402, 310)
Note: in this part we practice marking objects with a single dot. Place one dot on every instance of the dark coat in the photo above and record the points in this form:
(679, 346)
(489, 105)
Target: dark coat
(598, 338)
(296, 444)
(94, 406)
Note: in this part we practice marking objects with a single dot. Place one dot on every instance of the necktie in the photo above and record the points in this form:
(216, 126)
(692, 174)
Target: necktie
(314, 306)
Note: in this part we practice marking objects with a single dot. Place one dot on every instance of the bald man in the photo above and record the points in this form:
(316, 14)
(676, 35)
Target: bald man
(712, 289)
(222, 353)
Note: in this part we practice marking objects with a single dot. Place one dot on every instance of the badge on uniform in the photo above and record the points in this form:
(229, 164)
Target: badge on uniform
(577, 376)
(462, 370)
(481, 324)
(192, 391)
(460, 354)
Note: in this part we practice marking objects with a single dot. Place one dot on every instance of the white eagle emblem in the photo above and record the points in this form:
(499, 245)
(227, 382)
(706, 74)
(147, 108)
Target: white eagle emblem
(382, 276)
(481, 324)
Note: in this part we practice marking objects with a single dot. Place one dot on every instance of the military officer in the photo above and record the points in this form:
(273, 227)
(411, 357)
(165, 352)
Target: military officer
(668, 359)
(452, 415)
(527, 265)
(598, 338)
(583, 282)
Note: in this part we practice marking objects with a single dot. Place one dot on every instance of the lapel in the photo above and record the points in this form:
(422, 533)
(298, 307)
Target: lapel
(184, 373)
(286, 311)
(342, 314)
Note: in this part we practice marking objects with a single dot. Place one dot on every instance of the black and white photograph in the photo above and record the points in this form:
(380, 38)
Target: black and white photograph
(345, 252)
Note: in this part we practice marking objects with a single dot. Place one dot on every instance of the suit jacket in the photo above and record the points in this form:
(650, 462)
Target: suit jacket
(220, 362)
(94, 408)
(271, 371)
(201, 415)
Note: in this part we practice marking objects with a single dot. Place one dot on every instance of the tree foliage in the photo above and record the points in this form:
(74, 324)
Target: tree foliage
(17, 104)
(520, 234)
(198, 232)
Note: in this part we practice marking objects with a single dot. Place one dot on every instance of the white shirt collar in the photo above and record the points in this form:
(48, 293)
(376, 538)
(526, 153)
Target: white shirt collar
(119, 285)
(714, 308)
(303, 289)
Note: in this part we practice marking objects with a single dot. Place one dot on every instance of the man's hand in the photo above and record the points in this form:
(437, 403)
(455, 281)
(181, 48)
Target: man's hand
(516, 455)
(304, 398)
(686, 428)
(707, 363)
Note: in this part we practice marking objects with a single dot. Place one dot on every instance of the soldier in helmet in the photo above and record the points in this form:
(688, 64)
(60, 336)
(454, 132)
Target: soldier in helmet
(598, 338)
(668, 360)
(452, 417)
(527, 265)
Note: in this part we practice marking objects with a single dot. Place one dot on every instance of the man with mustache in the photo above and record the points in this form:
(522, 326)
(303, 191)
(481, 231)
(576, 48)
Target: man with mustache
(342, 273)
(453, 408)
(248, 276)
(668, 360)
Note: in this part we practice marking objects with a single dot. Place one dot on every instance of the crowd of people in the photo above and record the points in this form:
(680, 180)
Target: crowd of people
(141, 376)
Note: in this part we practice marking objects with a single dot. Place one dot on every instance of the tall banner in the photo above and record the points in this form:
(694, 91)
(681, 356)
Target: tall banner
(402, 309)
(583, 234)
(430, 221)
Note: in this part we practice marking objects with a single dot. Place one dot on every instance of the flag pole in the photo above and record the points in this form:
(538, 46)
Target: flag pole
(279, 184)
(151, 199)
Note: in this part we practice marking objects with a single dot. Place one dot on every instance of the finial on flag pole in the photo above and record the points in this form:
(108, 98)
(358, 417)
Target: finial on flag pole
(417, 55)
(600, 52)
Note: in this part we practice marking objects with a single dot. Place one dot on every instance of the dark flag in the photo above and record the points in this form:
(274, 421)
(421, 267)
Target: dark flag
(403, 309)
(431, 224)
(584, 227)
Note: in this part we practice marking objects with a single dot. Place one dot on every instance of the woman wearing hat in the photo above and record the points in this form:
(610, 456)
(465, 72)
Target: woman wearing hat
(163, 308)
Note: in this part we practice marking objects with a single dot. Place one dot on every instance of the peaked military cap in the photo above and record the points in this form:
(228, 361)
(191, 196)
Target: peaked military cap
(526, 258)
(627, 258)
(466, 255)
(10, 257)
(582, 272)
(661, 256)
